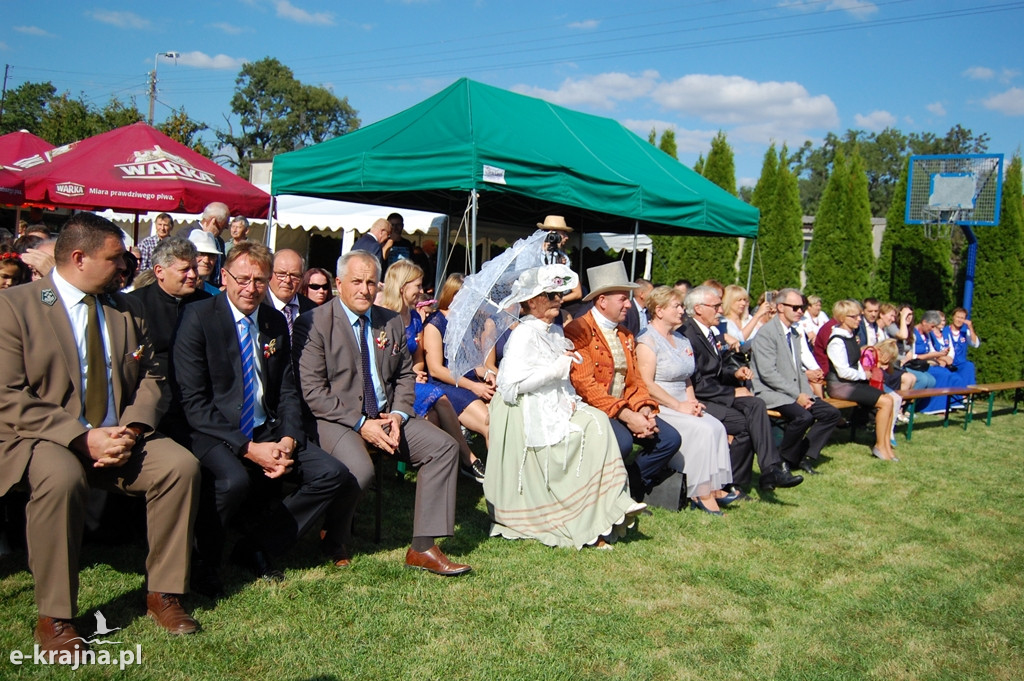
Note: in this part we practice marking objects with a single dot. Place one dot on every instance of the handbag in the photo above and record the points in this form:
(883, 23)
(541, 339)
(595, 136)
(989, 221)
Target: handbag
(916, 365)
(733, 361)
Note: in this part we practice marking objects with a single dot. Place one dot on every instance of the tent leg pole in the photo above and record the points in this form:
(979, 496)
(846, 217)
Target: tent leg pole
(472, 239)
(270, 222)
(632, 267)
(750, 267)
(135, 231)
(443, 235)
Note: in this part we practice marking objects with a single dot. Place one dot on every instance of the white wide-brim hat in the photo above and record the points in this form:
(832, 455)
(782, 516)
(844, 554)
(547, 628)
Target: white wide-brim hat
(538, 280)
(608, 278)
(554, 223)
(204, 242)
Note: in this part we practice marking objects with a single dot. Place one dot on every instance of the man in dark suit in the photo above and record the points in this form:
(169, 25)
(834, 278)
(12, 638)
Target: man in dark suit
(377, 242)
(636, 314)
(356, 375)
(779, 379)
(232, 370)
(283, 293)
(728, 400)
(71, 421)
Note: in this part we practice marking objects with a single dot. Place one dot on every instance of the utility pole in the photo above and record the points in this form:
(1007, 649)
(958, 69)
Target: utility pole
(3, 95)
(152, 79)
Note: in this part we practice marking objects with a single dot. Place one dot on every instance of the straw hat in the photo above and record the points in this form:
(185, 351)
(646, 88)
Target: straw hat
(204, 242)
(538, 280)
(608, 278)
(555, 223)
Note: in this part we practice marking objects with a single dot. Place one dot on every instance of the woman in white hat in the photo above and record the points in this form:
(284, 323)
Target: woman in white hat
(554, 472)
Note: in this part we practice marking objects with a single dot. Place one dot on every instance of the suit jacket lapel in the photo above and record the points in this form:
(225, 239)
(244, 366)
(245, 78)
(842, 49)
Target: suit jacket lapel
(57, 316)
(117, 336)
(377, 328)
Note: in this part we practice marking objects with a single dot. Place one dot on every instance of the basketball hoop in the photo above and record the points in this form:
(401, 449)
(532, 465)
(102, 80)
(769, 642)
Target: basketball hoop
(938, 230)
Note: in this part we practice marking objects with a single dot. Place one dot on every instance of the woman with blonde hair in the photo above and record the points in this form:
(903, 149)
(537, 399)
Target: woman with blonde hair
(740, 324)
(471, 394)
(403, 285)
(666, 363)
(847, 380)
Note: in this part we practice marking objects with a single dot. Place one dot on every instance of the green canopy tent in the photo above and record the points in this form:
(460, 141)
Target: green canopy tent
(516, 158)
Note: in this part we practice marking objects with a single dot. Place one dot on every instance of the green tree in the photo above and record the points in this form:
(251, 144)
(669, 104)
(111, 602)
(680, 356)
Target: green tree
(711, 257)
(762, 198)
(1000, 293)
(911, 268)
(840, 259)
(277, 113)
(781, 244)
(66, 120)
(25, 105)
(115, 115)
(668, 143)
(652, 138)
(180, 128)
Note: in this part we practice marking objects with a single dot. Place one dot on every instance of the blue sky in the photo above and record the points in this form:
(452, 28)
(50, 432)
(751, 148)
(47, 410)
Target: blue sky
(783, 70)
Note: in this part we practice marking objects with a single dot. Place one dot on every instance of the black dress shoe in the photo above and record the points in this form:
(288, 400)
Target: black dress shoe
(779, 477)
(204, 579)
(256, 562)
(807, 466)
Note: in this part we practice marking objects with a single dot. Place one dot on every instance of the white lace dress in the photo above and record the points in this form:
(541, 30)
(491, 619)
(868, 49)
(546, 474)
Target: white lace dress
(554, 471)
(705, 447)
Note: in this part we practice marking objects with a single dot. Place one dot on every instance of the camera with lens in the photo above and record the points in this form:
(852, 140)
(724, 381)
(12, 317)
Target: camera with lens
(552, 241)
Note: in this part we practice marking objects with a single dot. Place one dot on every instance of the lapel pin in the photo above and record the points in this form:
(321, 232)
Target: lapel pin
(48, 296)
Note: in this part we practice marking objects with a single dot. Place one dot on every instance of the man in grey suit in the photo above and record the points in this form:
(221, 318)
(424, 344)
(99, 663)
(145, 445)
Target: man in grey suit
(356, 375)
(780, 381)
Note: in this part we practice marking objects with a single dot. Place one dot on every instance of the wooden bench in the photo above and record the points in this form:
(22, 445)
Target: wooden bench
(911, 397)
(835, 402)
(992, 388)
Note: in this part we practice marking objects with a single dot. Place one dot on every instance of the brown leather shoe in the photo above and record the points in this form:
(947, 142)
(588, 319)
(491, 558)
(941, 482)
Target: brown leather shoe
(57, 634)
(434, 561)
(342, 557)
(166, 611)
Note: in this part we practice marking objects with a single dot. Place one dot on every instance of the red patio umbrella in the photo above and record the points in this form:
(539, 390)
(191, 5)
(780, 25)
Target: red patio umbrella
(136, 169)
(22, 150)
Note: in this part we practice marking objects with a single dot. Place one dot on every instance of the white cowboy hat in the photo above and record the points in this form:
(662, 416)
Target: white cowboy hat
(555, 223)
(204, 242)
(608, 278)
(538, 280)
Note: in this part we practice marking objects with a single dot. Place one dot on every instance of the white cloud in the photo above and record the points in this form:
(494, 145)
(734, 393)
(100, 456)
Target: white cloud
(1010, 102)
(980, 73)
(740, 101)
(875, 121)
(687, 141)
(120, 19)
(287, 10)
(230, 29)
(858, 8)
(585, 25)
(601, 91)
(936, 108)
(34, 30)
(1007, 75)
(201, 60)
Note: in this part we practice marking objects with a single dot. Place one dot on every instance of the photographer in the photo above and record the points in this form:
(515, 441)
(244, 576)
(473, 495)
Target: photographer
(554, 248)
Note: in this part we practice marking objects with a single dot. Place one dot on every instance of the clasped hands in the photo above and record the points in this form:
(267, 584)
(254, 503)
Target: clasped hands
(640, 423)
(384, 433)
(108, 446)
(275, 458)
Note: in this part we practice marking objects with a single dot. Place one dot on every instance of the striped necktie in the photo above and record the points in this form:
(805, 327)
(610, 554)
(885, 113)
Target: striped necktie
(247, 417)
(369, 394)
(289, 316)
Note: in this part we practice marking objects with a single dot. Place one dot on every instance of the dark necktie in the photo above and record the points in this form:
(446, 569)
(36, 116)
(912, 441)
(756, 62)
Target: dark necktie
(96, 371)
(711, 339)
(794, 338)
(369, 394)
(246, 419)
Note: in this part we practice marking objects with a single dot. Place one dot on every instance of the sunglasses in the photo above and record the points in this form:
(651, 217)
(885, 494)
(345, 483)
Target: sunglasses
(556, 294)
(798, 308)
(317, 287)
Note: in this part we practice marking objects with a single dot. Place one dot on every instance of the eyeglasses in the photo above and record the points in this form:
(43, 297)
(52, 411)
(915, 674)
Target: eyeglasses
(853, 316)
(717, 306)
(556, 294)
(285, 276)
(317, 287)
(258, 282)
(798, 308)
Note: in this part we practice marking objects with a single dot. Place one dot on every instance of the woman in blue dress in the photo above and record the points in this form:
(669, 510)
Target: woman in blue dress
(960, 335)
(475, 390)
(939, 358)
(402, 287)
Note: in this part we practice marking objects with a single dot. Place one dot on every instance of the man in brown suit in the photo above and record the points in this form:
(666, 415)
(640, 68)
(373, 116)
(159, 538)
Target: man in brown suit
(356, 375)
(70, 421)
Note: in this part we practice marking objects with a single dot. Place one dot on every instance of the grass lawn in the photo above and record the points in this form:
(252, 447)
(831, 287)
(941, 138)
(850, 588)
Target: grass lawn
(910, 570)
